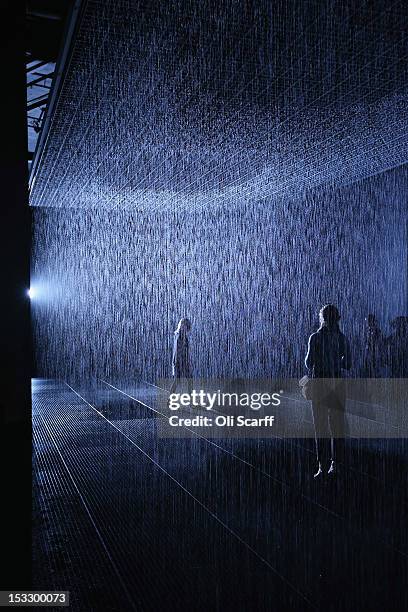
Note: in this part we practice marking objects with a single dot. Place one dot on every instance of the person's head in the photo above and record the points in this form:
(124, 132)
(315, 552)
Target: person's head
(184, 326)
(371, 320)
(329, 315)
(400, 325)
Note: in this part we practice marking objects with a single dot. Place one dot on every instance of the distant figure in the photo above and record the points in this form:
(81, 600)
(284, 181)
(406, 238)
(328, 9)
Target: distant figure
(374, 348)
(181, 366)
(397, 345)
(328, 354)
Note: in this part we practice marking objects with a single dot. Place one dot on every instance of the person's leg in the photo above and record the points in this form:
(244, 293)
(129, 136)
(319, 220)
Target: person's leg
(320, 420)
(189, 384)
(337, 425)
(172, 388)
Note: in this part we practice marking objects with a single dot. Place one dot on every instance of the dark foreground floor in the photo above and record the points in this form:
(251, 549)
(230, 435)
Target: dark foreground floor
(125, 520)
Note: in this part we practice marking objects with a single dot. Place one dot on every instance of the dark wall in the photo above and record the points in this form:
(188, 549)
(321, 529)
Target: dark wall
(15, 415)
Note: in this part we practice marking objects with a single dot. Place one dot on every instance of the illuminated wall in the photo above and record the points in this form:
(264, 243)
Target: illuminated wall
(112, 286)
(240, 162)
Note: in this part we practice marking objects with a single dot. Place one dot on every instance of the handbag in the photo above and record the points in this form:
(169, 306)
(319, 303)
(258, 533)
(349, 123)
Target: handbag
(306, 387)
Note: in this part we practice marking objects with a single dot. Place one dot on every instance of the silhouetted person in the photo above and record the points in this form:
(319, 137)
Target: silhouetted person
(328, 354)
(398, 348)
(374, 348)
(181, 365)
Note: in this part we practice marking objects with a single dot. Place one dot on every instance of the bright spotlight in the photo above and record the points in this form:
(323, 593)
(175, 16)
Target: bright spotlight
(31, 293)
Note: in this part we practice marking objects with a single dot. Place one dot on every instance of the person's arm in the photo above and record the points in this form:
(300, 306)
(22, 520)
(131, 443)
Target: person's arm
(175, 359)
(311, 351)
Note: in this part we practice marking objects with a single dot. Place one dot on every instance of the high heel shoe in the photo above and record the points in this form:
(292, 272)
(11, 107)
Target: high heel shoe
(319, 471)
(332, 469)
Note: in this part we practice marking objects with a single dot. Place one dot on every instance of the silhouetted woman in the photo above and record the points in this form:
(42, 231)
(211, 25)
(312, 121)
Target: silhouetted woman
(181, 365)
(374, 348)
(327, 356)
(397, 345)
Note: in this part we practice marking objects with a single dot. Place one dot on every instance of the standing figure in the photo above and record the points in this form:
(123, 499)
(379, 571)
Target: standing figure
(374, 348)
(328, 354)
(398, 348)
(181, 366)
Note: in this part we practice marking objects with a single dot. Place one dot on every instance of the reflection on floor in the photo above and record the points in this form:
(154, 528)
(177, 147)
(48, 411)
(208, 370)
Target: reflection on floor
(126, 520)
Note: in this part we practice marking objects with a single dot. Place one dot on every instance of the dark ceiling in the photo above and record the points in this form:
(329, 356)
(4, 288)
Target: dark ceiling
(45, 27)
(195, 103)
(46, 24)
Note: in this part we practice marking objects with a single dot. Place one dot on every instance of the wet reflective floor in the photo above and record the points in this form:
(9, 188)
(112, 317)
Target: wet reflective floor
(126, 520)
